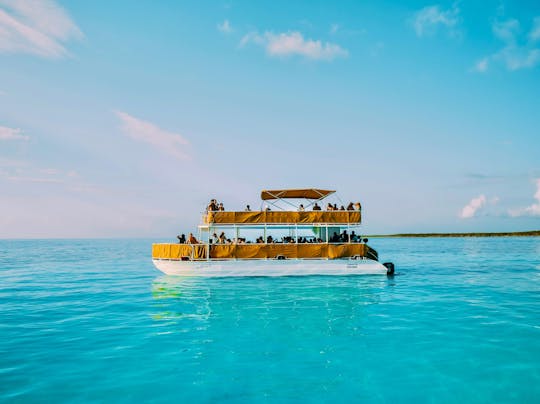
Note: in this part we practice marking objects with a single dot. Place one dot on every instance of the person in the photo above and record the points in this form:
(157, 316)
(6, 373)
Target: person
(192, 239)
(212, 206)
(214, 239)
(350, 206)
(329, 207)
(344, 237)
(248, 209)
(357, 206)
(334, 238)
(222, 238)
(220, 207)
(342, 207)
(181, 239)
(316, 206)
(354, 237)
(335, 206)
(301, 208)
(267, 208)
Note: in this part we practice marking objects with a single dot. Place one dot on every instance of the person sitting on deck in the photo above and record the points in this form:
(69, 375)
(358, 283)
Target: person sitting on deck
(214, 239)
(342, 207)
(248, 209)
(316, 206)
(334, 238)
(301, 208)
(329, 207)
(220, 207)
(350, 206)
(222, 238)
(357, 206)
(344, 237)
(181, 239)
(354, 237)
(269, 239)
(335, 206)
(192, 239)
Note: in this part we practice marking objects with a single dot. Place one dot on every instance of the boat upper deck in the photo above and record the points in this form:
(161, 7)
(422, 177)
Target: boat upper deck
(283, 217)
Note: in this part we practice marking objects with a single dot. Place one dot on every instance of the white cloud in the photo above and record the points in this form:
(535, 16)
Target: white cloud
(225, 27)
(427, 20)
(143, 131)
(506, 30)
(293, 43)
(482, 65)
(532, 210)
(472, 207)
(534, 35)
(11, 134)
(519, 51)
(36, 27)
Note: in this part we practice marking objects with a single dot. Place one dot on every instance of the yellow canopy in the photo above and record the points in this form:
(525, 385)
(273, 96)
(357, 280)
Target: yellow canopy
(265, 251)
(284, 217)
(308, 193)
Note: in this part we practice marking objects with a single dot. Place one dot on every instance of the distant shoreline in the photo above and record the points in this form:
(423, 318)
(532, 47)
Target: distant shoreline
(506, 234)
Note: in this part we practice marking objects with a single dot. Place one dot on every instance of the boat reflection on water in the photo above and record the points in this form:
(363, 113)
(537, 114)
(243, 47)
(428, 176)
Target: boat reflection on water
(177, 298)
(182, 304)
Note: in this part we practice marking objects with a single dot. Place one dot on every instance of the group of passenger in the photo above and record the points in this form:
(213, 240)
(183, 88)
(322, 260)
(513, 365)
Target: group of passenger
(214, 206)
(344, 237)
(189, 240)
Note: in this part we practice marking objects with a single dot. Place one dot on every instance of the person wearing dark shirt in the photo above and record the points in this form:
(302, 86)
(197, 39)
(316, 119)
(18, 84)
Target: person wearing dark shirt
(316, 206)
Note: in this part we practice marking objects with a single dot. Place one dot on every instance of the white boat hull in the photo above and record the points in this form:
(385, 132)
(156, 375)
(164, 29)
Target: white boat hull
(290, 267)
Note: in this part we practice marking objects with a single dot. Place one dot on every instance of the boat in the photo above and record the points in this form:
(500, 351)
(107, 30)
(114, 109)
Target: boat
(313, 241)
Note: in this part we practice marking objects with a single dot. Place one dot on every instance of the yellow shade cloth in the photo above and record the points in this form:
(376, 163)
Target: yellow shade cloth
(247, 251)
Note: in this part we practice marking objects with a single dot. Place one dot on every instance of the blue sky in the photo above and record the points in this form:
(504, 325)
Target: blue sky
(124, 118)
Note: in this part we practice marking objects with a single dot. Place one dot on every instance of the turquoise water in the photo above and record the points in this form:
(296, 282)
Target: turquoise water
(91, 320)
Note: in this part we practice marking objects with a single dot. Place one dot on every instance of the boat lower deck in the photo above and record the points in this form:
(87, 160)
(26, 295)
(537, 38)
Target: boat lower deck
(270, 267)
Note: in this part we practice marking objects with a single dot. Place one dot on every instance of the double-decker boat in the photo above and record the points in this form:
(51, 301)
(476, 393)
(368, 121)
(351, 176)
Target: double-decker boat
(313, 242)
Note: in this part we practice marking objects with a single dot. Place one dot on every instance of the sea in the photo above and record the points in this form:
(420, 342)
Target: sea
(94, 321)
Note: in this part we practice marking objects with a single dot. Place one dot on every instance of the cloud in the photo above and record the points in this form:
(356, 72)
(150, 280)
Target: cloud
(519, 51)
(532, 210)
(293, 43)
(472, 207)
(427, 20)
(482, 65)
(225, 27)
(36, 27)
(534, 35)
(143, 131)
(11, 134)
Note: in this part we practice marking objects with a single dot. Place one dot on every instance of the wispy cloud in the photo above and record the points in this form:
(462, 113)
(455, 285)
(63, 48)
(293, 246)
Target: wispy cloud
(36, 27)
(147, 132)
(472, 207)
(225, 27)
(482, 65)
(294, 43)
(519, 50)
(429, 19)
(476, 205)
(531, 210)
(25, 171)
(534, 35)
(12, 134)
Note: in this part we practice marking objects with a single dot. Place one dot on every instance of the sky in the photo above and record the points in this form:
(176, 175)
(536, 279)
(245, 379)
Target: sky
(123, 119)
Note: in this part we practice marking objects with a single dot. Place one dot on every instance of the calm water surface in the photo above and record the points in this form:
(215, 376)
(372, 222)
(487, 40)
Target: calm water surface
(92, 320)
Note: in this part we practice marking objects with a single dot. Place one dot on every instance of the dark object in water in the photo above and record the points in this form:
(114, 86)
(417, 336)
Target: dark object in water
(389, 268)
